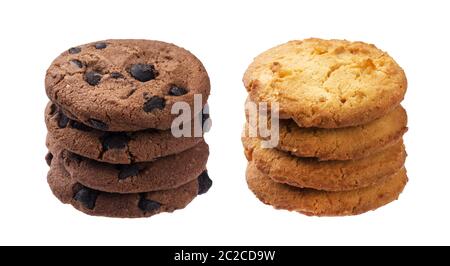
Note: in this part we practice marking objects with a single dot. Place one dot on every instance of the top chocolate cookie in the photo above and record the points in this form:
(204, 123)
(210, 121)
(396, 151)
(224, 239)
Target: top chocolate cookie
(125, 85)
(327, 83)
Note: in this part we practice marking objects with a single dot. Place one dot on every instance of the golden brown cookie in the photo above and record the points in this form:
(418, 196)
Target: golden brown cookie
(325, 175)
(321, 203)
(327, 83)
(342, 143)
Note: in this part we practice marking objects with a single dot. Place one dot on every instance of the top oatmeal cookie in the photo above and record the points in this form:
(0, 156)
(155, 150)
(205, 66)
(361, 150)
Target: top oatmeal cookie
(125, 85)
(327, 83)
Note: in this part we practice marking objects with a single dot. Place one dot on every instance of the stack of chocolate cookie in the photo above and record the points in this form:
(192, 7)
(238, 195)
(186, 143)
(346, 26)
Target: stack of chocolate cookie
(339, 150)
(115, 147)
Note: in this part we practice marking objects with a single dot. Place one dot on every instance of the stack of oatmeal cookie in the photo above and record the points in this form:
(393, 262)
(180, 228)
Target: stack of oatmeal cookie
(116, 147)
(339, 148)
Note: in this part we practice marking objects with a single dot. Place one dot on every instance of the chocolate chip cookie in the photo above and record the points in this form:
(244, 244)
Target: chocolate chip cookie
(134, 205)
(161, 174)
(322, 203)
(113, 147)
(327, 83)
(325, 175)
(125, 85)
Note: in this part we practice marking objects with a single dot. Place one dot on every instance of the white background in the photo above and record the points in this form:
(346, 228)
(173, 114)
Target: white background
(225, 35)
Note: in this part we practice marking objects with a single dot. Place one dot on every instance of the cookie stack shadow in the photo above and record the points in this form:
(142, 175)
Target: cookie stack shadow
(116, 156)
(334, 157)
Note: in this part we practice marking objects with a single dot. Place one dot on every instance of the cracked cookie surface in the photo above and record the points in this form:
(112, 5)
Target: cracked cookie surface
(161, 174)
(125, 85)
(134, 205)
(347, 143)
(327, 83)
(322, 203)
(113, 147)
(325, 175)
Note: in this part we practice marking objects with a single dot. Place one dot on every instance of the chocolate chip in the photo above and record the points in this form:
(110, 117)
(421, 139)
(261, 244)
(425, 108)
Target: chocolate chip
(77, 62)
(204, 183)
(93, 78)
(147, 205)
(205, 118)
(97, 124)
(74, 50)
(205, 121)
(181, 126)
(128, 170)
(153, 103)
(48, 158)
(63, 120)
(80, 126)
(116, 75)
(53, 109)
(115, 140)
(87, 197)
(177, 91)
(143, 72)
(100, 45)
